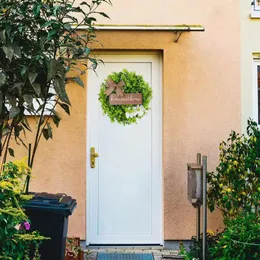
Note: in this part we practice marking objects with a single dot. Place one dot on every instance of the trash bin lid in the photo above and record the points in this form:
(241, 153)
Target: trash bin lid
(60, 202)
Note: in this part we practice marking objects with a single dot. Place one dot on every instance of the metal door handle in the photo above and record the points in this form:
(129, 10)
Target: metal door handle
(93, 156)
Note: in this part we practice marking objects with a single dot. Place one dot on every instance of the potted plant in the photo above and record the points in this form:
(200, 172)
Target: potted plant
(41, 50)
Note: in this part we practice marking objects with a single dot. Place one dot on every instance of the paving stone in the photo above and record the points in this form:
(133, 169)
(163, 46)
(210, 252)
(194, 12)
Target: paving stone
(157, 257)
(157, 247)
(158, 252)
(90, 256)
(142, 247)
(169, 257)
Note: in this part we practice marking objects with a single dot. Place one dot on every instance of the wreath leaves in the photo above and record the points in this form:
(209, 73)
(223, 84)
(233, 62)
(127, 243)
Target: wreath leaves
(133, 84)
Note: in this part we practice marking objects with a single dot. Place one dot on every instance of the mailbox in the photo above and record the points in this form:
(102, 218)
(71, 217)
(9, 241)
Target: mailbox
(195, 184)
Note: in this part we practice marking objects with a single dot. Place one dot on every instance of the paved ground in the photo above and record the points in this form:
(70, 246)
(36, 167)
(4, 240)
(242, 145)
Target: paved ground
(158, 252)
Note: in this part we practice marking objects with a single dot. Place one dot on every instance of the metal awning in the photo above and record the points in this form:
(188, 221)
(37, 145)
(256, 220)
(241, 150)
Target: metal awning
(176, 29)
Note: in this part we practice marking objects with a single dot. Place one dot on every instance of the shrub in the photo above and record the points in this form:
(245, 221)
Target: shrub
(235, 189)
(240, 240)
(235, 186)
(195, 250)
(16, 240)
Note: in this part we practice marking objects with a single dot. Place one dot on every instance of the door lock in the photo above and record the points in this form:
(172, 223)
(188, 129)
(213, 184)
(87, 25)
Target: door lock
(93, 156)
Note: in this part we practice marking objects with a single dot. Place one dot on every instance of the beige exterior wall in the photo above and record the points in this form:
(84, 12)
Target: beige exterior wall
(250, 50)
(201, 103)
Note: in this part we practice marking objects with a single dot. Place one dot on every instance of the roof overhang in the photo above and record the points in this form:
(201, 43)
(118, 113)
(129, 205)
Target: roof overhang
(176, 29)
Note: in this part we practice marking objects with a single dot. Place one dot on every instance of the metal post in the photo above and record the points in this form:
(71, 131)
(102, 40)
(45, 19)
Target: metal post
(198, 224)
(198, 208)
(204, 241)
(29, 164)
(198, 158)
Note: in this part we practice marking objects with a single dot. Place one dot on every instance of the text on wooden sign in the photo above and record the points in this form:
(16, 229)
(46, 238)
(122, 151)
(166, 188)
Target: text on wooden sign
(126, 99)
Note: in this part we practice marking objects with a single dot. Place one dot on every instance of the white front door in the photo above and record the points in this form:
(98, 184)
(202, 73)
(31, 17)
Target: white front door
(124, 190)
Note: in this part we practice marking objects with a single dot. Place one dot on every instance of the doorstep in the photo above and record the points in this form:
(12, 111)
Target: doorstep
(159, 253)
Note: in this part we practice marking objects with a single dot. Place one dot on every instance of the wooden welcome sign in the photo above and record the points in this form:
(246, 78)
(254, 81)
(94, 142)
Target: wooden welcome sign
(120, 98)
(126, 99)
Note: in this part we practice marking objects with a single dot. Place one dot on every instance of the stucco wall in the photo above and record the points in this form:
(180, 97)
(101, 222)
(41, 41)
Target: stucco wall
(250, 50)
(201, 103)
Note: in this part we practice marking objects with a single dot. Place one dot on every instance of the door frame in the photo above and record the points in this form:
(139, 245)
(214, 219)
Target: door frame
(160, 123)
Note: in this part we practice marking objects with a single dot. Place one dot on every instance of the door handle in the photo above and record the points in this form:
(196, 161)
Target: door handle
(93, 156)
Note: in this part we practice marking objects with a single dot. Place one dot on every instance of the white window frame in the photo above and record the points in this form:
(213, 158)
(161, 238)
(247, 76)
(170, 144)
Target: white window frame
(36, 105)
(255, 11)
(256, 64)
(256, 7)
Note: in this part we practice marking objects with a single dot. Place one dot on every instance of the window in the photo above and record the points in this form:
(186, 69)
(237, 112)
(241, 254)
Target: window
(256, 4)
(256, 91)
(36, 104)
(255, 9)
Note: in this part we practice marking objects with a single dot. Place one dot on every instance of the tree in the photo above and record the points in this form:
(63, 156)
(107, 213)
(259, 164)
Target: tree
(39, 45)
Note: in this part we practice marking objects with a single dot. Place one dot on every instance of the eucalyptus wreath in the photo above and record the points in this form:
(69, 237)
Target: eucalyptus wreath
(133, 83)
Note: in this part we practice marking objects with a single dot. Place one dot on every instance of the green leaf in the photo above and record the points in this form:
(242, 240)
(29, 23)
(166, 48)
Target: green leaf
(59, 87)
(2, 36)
(17, 130)
(37, 88)
(28, 99)
(65, 107)
(47, 24)
(41, 121)
(94, 63)
(20, 139)
(104, 15)
(61, 72)
(32, 76)
(18, 86)
(17, 51)
(56, 119)
(11, 151)
(55, 10)
(11, 98)
(49, 130)
(36, 10)
(67, 26)
(14, 111)
(9, 52)
(24, 70)
(89, 20)
(45, 133)
(52, 34)
(2, 79)
(84, 3)
(87, 50)
(1, 102)
(25, 124)
(52, 69)
(78, 81)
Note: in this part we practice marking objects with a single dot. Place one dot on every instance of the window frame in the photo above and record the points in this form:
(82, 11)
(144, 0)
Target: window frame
(255, 11)
(255, 6)
(36, 105)
(256, 90)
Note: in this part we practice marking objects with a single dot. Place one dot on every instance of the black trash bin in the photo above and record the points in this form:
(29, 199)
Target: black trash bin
(49, 214)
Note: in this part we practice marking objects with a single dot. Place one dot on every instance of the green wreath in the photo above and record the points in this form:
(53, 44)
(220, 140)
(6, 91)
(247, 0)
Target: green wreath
(133, 83)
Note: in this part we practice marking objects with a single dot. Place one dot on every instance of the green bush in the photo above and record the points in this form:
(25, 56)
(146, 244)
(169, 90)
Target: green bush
(195, 250)
(235, 189)
(16, 239)
(240, 240)
(235, 186)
